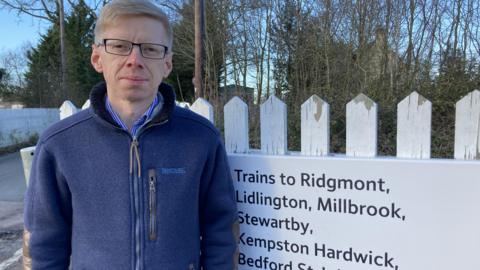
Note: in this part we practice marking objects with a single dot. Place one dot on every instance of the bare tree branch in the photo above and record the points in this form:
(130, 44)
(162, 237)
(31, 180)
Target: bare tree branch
(22, 8)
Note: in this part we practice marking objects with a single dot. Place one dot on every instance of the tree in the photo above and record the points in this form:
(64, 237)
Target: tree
(12, 66)
(183, 53)
(44, 73)
(54, 12)
(79, 32)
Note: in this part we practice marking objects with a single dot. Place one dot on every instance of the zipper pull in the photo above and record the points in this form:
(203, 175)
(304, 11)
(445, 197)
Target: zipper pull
(135, 157)
(152, 179)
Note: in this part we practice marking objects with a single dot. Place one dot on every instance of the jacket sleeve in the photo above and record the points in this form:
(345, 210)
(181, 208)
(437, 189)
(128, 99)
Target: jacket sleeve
(218, 215)
(47, 215)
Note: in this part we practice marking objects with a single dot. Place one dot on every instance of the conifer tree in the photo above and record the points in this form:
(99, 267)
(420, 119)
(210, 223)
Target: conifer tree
(43, 78)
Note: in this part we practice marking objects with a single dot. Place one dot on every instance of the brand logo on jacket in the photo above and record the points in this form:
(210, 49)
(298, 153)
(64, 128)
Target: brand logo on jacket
(180, 170)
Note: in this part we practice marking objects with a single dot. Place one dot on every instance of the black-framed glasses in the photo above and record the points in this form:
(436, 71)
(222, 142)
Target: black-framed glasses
(125, 47)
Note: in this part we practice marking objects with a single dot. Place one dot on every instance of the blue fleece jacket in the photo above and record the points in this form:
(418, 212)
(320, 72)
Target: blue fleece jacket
(100, 199)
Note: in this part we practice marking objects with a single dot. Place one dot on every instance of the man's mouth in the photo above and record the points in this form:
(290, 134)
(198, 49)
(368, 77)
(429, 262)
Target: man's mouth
(134, 78)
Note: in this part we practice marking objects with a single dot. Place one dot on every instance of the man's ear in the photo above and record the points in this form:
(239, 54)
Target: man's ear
(168, 65)
(96, 59)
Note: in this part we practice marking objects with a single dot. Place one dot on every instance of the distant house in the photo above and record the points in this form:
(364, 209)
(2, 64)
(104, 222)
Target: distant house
(377, 58)
(245, 93)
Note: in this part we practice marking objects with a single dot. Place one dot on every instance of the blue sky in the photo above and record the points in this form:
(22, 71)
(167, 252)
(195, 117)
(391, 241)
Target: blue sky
(16, 30)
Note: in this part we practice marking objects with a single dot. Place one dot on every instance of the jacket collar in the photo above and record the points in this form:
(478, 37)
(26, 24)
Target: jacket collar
(98, 105)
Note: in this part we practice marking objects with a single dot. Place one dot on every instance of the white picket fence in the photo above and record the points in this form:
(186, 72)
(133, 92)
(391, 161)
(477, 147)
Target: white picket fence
(414, 114)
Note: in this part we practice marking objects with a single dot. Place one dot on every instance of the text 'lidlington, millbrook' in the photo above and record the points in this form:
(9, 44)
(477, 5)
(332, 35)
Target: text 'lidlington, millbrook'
(332, 205)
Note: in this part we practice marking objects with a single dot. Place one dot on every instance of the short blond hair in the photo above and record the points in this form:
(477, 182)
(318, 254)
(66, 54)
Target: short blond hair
(118, 8)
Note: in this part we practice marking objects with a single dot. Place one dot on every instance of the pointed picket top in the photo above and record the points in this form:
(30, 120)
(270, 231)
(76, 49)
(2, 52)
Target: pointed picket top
(86, 105)
(27, 159)
(67, 109)
(414, 122)
(467, 127)
(273, 126)
(362, 127)
(183, 104)
(315, 123)
(203, 108)
(235, 115)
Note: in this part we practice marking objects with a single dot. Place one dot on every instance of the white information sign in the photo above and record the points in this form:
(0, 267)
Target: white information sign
(314, 213)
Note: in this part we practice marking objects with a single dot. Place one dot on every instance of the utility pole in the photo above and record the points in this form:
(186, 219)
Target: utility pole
(63, 54)
(199, 51)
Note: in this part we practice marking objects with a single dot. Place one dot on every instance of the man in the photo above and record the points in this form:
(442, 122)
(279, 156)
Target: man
(133, 182)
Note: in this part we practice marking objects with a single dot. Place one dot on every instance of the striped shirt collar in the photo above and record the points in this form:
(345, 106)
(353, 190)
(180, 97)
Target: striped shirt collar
(139, 122)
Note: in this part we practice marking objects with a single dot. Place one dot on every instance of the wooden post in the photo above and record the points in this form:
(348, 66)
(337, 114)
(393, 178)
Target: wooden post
(315, 127)
(361, 127)
(203, 108)
(236, 126)
(467, 127)
(67, 109)
(27, 159)
(273, 127)
(414, 122)
(86, 104)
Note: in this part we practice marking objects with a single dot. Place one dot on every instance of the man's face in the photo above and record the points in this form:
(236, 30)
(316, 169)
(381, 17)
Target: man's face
(132, 78)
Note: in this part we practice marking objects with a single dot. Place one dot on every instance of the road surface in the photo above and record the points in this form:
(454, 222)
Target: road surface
(12, 189)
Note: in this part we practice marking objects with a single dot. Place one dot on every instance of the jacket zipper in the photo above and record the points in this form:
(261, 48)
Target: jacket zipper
(136, 199)
(152, 180)
(136, 185)
(136, 195)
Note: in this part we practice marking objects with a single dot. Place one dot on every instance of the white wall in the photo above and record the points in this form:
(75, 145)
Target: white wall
(17, 125)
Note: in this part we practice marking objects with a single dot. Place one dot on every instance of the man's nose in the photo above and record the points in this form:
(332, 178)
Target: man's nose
(135, 58)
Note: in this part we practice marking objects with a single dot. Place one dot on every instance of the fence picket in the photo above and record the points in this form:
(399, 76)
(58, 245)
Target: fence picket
(203, 108)
(467, 127)
(315, 123)
(273, 126)
(183, 104)
(414, 122)
(362, 127)
(86, 104)
(67, 109)
(236, 126)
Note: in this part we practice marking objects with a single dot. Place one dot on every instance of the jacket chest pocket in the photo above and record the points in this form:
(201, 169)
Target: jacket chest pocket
(174, 185)
(152, 205)
(171, 194)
